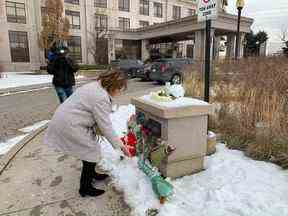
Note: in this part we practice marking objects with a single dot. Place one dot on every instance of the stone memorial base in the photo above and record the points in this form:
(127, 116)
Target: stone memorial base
(185, 128)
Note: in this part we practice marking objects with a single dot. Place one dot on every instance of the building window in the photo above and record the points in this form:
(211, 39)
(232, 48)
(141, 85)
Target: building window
(74, 19)
(124, 5)
(101, 3)
(124, 23)
(176, 12)
(43, 11)
(143, 23)
(19, 46)
(144, 7)
(101, 22)
(72, 2)
(118, 44)
(191, 12)
(15, 12)
(74, 45)
(158, 12)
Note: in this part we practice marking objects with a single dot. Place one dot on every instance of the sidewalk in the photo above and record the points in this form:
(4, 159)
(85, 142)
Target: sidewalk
(39, 181)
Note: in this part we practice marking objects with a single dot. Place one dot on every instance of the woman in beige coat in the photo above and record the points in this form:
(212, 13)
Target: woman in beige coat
(73, 128)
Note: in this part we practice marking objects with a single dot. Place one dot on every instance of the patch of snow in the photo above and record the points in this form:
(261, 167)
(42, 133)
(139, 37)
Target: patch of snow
(79, 77)
(178, 102)
(7, 145)
(211, 134)
(34, 127)
(20, 79)
(12, 80)
(176, 90)
(231, 185)
(25, 91)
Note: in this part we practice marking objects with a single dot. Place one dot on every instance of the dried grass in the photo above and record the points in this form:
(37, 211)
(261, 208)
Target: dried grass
(251, 100)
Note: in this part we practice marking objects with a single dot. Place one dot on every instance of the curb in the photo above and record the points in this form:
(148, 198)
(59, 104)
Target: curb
(8, 157)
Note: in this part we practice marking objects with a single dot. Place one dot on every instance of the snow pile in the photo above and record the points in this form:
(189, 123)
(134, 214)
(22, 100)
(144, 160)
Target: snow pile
(175, 90)
(12, 80)
(19, 79)
(231, 185)
(34, 127)
(179, 102)
(5, 146)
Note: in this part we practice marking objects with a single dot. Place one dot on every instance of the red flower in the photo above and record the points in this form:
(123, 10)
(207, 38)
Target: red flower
(131, 139)
(132, 150)
(144, 130)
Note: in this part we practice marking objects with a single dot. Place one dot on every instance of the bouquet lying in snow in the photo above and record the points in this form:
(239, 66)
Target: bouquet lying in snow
(169, 93)
(143, 141)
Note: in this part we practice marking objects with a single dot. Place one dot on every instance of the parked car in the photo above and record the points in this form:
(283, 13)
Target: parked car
(130, 66)
(169, 70)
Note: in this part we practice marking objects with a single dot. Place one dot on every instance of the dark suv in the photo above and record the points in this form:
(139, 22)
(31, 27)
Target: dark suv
(130, 66)
(169, 70)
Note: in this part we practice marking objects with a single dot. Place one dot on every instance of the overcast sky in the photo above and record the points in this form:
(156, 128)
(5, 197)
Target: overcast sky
(269, 15)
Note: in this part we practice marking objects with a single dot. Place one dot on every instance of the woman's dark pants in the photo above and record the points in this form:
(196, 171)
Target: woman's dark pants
(88, 172)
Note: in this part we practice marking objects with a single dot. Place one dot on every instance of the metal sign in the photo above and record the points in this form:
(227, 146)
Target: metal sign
(207, 10)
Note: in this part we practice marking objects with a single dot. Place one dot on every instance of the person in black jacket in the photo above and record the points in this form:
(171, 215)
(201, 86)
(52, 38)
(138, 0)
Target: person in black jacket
(63, 68)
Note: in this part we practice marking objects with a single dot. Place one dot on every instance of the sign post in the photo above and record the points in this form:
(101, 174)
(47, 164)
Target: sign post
(207, 10)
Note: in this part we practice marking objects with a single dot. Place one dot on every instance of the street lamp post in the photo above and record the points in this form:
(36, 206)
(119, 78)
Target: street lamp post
(239, 5)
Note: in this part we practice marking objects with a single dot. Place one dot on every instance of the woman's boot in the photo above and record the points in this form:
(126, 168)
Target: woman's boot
(86, 188)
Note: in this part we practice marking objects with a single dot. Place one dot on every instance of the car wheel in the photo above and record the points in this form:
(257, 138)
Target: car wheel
(133, 73)
(176, 79)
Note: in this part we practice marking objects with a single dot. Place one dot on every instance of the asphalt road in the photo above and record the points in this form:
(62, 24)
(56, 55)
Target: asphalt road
(24, 109)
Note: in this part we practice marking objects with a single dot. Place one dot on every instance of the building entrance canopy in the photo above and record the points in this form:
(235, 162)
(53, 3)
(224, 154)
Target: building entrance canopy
(185, 29)
(189, 28)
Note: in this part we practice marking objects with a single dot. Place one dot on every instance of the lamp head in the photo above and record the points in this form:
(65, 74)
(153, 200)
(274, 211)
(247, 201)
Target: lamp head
(240, 4)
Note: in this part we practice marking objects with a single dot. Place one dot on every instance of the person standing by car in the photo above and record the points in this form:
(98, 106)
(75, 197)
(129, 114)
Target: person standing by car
(63, 68)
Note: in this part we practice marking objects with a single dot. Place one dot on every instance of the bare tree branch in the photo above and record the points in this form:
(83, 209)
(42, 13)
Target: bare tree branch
(55, 25)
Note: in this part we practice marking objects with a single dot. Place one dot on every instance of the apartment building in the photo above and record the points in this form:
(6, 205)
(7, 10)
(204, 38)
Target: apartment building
(20, 24)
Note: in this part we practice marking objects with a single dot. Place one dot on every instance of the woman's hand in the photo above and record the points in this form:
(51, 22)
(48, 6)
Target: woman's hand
(125, 151)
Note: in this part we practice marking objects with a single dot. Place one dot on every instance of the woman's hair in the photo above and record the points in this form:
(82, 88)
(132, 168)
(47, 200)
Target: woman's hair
(113, 80)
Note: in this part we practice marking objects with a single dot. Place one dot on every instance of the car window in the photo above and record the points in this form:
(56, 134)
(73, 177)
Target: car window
(140, 62)
(114, 62)
(124, 62)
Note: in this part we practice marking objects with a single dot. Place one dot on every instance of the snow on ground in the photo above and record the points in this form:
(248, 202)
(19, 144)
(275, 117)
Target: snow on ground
(231, 185)
(12, 80)
(19, 79)
(8, 144)
(179, 102)
(34, 127)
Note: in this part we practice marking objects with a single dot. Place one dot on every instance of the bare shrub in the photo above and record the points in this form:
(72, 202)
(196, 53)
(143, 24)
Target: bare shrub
(251, 100)
(193, 80)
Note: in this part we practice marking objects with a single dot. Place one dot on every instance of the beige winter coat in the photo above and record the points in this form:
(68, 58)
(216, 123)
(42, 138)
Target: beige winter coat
(73, 127)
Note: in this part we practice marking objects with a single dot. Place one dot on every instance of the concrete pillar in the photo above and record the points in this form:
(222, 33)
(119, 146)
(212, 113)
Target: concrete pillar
(144, 50)
(111, 50)
(230, 46)
(174, 50)
(216, 46)
(241, 47)
(199, 47)
(184, 49)
(263, 49)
